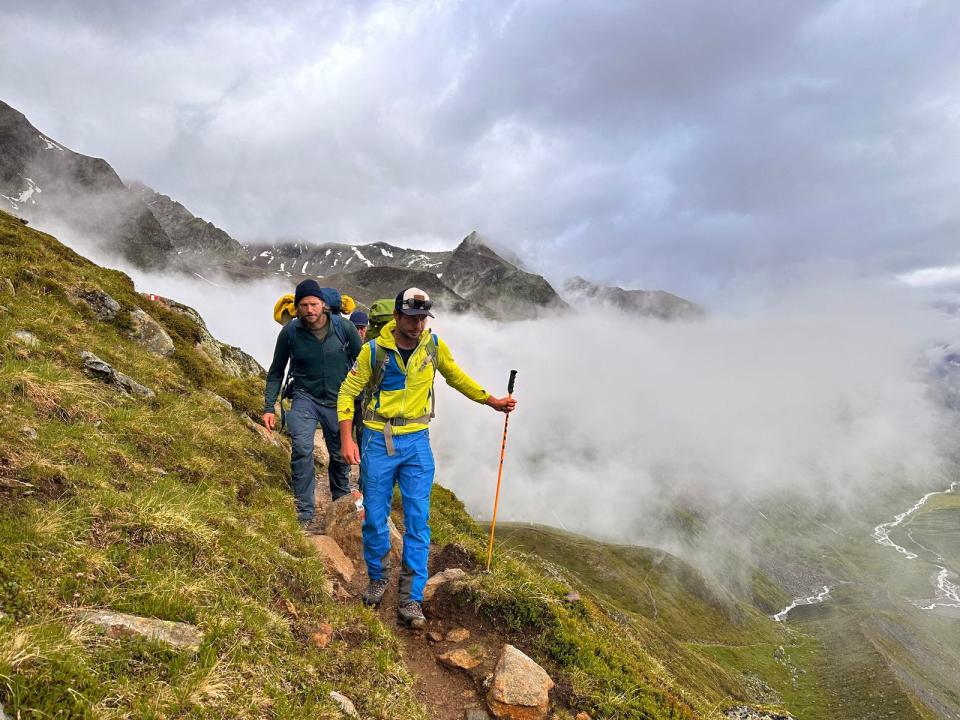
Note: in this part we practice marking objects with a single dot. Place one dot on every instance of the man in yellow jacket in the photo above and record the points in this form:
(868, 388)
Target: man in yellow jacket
(398, 368)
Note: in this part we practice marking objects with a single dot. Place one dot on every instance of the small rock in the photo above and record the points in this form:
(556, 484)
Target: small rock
(103, 306)
(3, 715)
(441, 578)
(475, 714)
(572, 597)
(459, 659)
(132, 387)
(120, 624)
(742, 712)
(150, 334)
(29, 433)
(321, 638)
(343, 524)
(8, 286)
(25, 338)
(220, 400)
(333, 558)
(457, 635)
(337, 591)
(434, 636)
(520, 688)
(97, 368)
(346, 705)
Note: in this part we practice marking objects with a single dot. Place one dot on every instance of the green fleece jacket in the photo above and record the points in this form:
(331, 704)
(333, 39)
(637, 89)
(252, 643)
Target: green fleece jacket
(316, 367)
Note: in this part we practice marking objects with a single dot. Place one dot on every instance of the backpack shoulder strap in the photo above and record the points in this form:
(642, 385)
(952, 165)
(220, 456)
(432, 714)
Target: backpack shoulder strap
(291, 330)
(339, 329)
(379, 357)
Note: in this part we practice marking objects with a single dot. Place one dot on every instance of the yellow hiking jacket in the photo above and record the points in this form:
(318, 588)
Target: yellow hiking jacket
(406, 389)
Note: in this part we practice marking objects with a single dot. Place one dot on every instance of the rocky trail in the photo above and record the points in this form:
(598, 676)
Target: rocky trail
(463, 668)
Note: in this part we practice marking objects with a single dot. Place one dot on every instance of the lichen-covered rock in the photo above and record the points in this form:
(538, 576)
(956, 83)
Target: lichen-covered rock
(100, 370)
(743, 712)
(25, 338)
(103, 306)
(520, 688)
(345, 703)
(232, 360)
(120, 624)
(149, 333)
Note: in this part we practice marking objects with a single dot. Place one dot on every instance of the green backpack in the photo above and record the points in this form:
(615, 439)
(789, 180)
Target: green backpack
(381, 312)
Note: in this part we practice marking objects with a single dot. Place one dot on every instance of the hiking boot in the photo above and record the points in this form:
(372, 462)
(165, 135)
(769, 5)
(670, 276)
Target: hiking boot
(373, 595)
(313, 526)
(410, 613)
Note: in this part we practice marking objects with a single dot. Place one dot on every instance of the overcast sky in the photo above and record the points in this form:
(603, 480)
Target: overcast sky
(692, 146)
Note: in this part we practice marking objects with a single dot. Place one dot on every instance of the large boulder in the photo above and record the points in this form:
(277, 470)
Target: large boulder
(148, 332)
(333, 558)
(520, 688)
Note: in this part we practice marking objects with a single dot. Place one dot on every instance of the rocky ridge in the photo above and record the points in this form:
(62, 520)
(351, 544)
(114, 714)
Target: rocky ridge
(43, 181)
(657, 304)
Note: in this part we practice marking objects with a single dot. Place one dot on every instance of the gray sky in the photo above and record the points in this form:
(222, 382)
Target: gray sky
(699, 147)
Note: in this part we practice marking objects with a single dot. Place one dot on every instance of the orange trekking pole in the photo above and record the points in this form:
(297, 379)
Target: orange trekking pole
(503, 448)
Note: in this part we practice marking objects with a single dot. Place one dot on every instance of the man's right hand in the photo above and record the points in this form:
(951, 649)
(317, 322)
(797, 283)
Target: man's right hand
(269, 421)
(349, 450)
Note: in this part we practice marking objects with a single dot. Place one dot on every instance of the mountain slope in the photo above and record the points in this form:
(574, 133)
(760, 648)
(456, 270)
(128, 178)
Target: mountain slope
(46, 182)
(477, 273)
(193, 238)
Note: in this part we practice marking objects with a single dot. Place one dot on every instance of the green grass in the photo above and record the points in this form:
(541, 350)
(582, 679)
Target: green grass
(171, 509)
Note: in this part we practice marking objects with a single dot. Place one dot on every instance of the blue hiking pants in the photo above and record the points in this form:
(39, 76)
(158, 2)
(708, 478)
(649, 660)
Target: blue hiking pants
(302, 420)
(411, 467)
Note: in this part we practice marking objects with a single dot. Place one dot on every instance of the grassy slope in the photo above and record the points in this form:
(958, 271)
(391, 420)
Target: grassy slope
(172, 509)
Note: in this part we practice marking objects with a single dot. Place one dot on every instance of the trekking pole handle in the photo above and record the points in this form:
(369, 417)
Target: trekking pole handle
(513, 379)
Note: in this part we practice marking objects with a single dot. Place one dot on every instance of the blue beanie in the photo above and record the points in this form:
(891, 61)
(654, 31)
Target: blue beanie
(359, 318)
(307, 288)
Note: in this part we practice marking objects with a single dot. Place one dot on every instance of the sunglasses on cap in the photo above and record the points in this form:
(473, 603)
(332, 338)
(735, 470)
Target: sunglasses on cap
(416, 303)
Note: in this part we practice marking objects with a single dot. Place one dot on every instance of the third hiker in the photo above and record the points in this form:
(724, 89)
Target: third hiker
(397, 369)
(320, 347)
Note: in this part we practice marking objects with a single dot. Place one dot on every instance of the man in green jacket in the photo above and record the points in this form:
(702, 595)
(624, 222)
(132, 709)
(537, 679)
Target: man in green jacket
(320, 347)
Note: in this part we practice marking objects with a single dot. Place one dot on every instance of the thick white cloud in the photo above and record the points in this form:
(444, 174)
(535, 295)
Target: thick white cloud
(657, 144)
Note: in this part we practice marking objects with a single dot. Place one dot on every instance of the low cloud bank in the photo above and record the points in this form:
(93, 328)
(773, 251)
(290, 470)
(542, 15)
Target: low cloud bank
(823, 395)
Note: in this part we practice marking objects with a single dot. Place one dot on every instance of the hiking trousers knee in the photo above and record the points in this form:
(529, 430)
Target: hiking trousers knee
(412, 468)
(302, 420)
